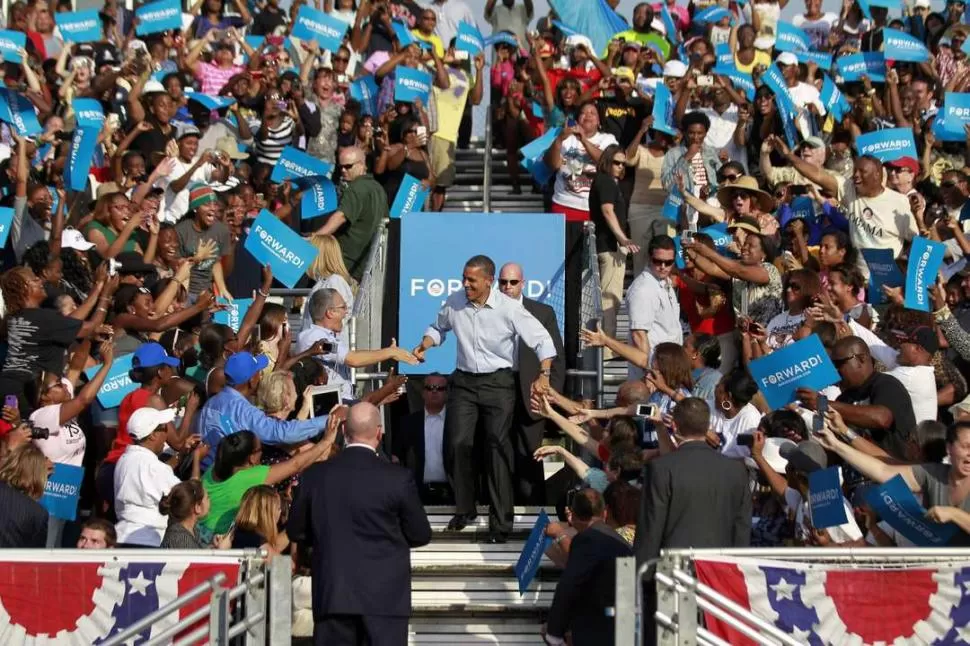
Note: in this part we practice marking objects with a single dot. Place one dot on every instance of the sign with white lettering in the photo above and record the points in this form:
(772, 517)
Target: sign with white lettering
(825, 498)
(62, 491)
(897, 505)
(925, 258)
(803, 364)
(118, 383)
(411, 196)
(313, 24)
(158, 16)
(887, 145)
(272, 242)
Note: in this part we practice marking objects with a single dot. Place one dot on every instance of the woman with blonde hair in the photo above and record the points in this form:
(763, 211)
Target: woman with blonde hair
(277, 396)
(258, 519)
(23, 478)
(329, 270)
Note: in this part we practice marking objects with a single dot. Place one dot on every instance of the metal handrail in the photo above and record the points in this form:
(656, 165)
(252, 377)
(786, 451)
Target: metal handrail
(487, 173)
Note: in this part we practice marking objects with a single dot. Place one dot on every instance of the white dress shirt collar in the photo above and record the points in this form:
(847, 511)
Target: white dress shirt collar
(362, 446)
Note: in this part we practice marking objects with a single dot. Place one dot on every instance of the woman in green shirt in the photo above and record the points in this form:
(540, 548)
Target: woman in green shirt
(237, 469)
(112, 228)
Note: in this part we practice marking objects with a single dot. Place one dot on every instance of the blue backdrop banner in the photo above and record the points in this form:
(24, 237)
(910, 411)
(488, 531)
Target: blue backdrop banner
(427, 279)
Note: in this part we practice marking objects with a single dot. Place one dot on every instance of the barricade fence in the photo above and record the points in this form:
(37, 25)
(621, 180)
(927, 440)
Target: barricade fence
(793, 596)
(152, 596)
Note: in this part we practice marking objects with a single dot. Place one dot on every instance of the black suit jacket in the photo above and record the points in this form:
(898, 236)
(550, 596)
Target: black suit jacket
(587, 587)
(693, 497)
(528, 361)
(409, 445)
(362, 515)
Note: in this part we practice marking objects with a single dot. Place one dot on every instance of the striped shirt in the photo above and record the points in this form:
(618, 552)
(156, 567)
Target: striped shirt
(268, 150)
(213, 78)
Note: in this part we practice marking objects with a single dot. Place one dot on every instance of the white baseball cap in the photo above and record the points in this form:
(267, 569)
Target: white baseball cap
(74, 239)
(787, 58)
(922, 3)
(676, 69)
(772, 453)
(145, 421)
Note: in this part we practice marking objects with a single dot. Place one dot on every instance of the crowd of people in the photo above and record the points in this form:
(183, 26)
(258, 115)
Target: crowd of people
(715, 146)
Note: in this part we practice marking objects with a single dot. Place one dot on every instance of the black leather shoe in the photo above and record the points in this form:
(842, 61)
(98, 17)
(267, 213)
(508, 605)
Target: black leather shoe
(498, 538)
(460, 522)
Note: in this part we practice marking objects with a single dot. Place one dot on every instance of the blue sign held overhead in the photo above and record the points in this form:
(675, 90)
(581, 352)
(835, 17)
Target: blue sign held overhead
(62, 491)
(411, 84)
(897, 505)
(318, 198)
(210, 102)
(313, 24)
(663, 110)
(6, 221)
(18, 111)
(531, 557)
(790, 38)
(854, 66)
(956, 113)
(118, 383)
(887, 145)
(79, 26)
(501, 38)
(411, 195)
(900, 46)
(821, 59)
(158, 16)
(720, 235)
(713, 15)
(825, 501)
(803, 364)
(273, 243)
(427, 279)
(402, 33)
(469, 39)
(883, 272)
(90, 118)
(740, 80)
(10, 43)
(295, 164)
(234, 313)
(831, 97)
(673, 35)
(364, 90)
(925, 258)
(671, 208)
(536, 148)
(723, 55)
(775, 80)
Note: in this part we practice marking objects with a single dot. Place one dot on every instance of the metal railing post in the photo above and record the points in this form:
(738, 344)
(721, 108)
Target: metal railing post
(667, 604)
(624, 605)
(255, 601)
(219, 617)
(352, 344)
(280, 593)
(487, 174)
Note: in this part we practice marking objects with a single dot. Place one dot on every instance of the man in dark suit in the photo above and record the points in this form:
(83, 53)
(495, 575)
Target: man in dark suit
(693, 496)
(528, 426)
(361, 515)
(419, 444)
(587, 586)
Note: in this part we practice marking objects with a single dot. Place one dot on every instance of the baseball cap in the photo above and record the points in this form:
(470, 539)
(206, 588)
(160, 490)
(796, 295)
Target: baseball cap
(153, 87)
(579, 40)
(145, 421)
(186, 130)
(905, 162)
(925, 4)
(925, 338)
(149, 355)
(787, 58)
(772, 454)
(133, 262)
(813, 142)
(241, 367)
(74, 239)
(676, 69)
(624, 73)
(807, 456)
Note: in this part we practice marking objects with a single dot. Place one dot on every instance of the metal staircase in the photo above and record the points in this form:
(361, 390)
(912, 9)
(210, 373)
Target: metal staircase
(483, 184)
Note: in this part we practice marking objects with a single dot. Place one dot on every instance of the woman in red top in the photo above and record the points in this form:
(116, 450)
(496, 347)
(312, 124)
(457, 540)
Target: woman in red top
(707, 306)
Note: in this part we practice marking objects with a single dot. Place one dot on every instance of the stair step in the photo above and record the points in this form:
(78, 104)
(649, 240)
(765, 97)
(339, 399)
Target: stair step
(499, 631)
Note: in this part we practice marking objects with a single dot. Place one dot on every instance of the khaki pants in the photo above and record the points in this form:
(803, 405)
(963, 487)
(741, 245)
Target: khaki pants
(645, 222)
(612, 269)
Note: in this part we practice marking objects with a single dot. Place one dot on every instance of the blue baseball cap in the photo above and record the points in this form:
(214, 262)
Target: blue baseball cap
(149, 355)
(241, 367)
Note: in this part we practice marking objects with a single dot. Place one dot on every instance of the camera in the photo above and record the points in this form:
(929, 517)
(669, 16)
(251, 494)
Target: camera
(35, 432)
(746, 439)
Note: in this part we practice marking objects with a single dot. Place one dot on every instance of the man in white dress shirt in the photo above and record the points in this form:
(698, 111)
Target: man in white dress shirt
(652, 303)
(420, 443)
(488, 326)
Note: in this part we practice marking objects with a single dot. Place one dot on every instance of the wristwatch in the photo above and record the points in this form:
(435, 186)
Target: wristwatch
(850, 436)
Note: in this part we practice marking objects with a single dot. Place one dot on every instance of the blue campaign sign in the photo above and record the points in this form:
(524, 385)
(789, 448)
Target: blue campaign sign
(531, 556)
(956, 112)
(536, 148)
(663, 110)
(854, 66)
(427, 279)
(411, 84)
(883, 271)
(775, 81)
(669, 26)
(79, 26)
(313, 24)
(790, 38)
(897, 505)
(62, 491)
(90, 118)
(925, 258)
(831, 96)
(678, 254)
(403, 34)
(803, 364)
(210, 102)
(539, 170)
(739, 79)
(318, 198)
(825, 499)
(296, 164)
(713, 15)
(469, 39)
(501, 37)
(568, 31)
(18, 111)
(803, 207)
(411, 195)
(720, 235)
(117, 385)
(823, 60)
(234, 313)
(10, 42)
(723, 55)
(158, 16)
(364, 90)
(672, 204)
(6, 219)
(900, 46)
(273, 243)
(887, 145)
(89, 113)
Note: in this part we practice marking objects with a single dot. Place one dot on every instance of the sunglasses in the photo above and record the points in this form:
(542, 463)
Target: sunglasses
(508, 281)
(661, 263)
(948, 184)
(844, 360)
(341, 59)
(899, 169)
(730, 178)
(435, 389)
(347, 166)
(618, 163)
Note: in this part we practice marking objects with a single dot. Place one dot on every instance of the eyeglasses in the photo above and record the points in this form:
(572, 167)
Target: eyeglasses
(617, 162)
(341, 59)
(435, 389)
(661, 263)
(844, 360)
(899, 169)
(508, 281)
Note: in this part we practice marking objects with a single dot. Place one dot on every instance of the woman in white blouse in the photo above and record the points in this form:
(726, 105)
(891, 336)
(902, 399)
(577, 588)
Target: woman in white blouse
(329, 270)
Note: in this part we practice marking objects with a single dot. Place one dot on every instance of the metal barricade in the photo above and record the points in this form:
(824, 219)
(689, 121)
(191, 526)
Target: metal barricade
(487, 173)
(367, 315)
(681, 598)
(590, 312)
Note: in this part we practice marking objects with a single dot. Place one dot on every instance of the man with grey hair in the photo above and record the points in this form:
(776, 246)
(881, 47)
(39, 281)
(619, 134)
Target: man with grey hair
(362, 515)
(327, 311)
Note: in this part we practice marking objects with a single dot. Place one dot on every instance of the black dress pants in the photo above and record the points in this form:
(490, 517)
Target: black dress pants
(490, 399)
(529, 478)
(361, 630)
